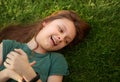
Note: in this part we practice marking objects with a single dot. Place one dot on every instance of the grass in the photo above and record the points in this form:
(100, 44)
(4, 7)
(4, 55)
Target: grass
(97, 59)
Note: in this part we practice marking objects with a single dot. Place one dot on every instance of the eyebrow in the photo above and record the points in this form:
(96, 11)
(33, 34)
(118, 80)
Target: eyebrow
(64, 27)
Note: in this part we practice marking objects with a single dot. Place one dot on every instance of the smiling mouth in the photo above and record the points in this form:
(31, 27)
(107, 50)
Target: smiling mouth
(53, 41)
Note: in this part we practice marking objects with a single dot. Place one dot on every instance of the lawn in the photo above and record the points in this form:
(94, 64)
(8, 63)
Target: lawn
(97, 59)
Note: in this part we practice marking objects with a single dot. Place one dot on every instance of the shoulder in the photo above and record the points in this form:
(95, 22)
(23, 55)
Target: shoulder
(11, 43)
(59, 64)
(57, 56)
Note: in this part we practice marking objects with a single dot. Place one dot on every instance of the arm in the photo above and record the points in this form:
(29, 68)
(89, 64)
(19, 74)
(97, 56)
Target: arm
(55, 78)
(3, 76)
(17, 60)
(7, 74)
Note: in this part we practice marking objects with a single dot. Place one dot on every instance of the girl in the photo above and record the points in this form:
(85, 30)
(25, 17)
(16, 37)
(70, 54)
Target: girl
(37, 44)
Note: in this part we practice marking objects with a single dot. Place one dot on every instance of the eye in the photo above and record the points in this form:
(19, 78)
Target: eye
(66, 41)
(60, 29)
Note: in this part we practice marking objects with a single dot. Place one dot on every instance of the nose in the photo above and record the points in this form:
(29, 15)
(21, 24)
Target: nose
(61, 38)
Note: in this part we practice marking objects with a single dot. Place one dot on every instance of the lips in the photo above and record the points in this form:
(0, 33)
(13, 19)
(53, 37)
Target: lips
(53, 41)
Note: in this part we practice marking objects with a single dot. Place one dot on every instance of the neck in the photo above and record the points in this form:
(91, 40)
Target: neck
(32, 44)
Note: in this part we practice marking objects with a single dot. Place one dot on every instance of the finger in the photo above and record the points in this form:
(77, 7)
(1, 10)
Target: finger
(7, 65)
(14, 53)
(8, 61)
(10, 55)
(20, 51)
(33, 63)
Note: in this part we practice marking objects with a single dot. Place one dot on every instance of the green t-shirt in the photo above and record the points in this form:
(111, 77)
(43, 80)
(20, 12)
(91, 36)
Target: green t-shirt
(51, 63)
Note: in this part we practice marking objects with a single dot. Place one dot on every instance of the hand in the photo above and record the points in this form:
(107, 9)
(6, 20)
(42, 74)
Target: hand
(18, 61)
(12, 74)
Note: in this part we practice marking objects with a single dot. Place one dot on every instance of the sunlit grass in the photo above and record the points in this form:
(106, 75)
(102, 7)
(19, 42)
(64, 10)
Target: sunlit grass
(97, 59)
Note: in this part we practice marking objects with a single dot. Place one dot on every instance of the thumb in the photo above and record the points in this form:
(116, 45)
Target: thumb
(33, 63)
(20, 51)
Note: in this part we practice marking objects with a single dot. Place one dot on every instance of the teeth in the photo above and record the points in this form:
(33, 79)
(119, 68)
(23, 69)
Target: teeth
(53, 40)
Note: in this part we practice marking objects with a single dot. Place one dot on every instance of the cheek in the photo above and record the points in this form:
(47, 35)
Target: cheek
(62, 45)
(43, 33)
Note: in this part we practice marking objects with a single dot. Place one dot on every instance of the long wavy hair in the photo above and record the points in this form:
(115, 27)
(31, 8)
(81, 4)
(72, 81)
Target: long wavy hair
(24, 33)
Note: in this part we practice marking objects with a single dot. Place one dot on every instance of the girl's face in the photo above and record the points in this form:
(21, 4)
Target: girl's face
(56, 34)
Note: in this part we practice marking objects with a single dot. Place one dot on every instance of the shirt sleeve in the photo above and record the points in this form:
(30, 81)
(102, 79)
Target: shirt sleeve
(59, 65)
(9, 45)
